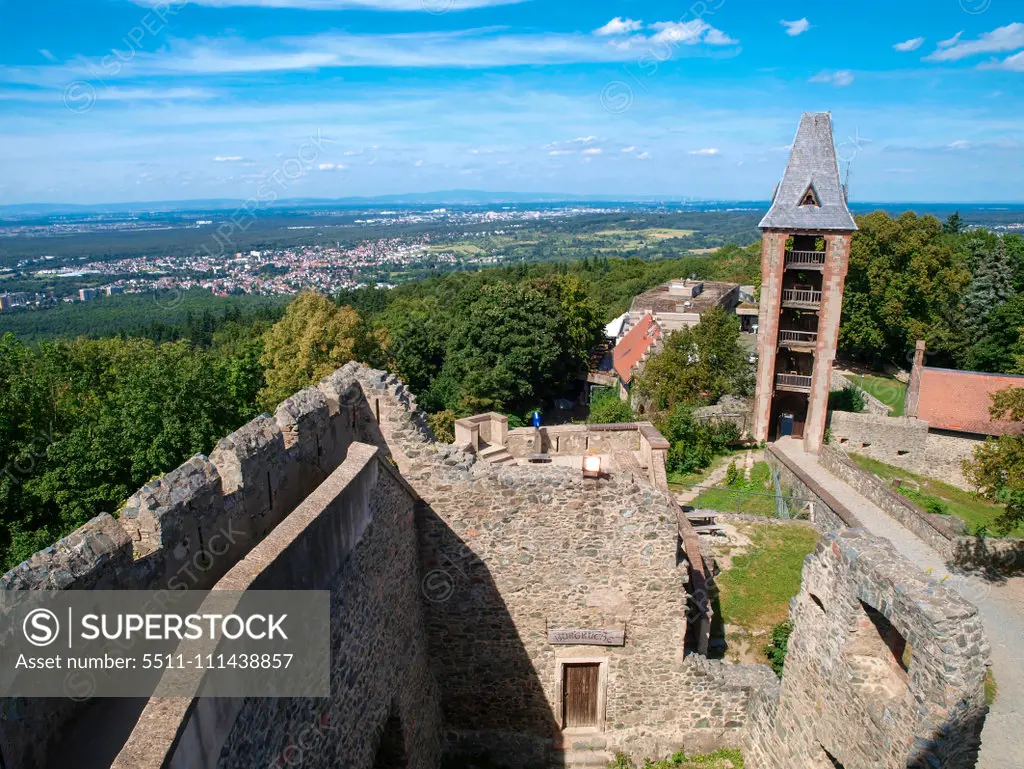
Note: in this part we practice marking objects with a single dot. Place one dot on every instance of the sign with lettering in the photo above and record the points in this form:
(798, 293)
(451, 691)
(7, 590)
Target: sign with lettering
(587, 637)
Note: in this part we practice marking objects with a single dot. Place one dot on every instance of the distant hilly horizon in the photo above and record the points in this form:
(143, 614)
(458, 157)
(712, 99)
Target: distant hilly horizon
(465, 198)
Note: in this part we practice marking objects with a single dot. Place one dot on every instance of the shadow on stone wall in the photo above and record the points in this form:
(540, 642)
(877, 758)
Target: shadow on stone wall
(495, 710)
(994, 560)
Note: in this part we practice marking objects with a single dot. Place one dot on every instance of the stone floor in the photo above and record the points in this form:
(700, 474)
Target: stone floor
(1001, 606)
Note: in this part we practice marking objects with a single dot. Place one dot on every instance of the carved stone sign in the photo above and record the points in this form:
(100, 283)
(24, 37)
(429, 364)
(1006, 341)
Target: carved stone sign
(587, 637)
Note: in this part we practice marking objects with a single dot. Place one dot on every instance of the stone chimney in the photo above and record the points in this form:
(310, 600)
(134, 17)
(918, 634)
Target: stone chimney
(914, 388)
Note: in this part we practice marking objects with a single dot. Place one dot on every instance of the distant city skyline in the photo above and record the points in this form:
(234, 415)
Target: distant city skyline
(122, 101)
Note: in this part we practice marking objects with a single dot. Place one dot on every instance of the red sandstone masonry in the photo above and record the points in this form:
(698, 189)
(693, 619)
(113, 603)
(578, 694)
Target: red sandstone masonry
(773, 264)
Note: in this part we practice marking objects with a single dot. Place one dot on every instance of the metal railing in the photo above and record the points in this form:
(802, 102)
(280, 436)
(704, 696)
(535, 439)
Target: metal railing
(793, 380)
(801, 296)
(809, 259)
(798, 337)
(724, 500)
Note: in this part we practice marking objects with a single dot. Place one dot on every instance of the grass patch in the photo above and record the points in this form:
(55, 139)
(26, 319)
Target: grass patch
(753, 496)
(938, 497)
(890, 391)
(756, 591)
(720, 759)
(680, 481)
(991, 690)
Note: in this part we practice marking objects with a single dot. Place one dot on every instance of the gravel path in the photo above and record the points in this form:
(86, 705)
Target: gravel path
(1001, 607)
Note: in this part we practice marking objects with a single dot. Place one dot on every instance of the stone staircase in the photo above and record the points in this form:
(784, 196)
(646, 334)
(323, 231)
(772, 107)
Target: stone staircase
(496, 455)
(582, 752)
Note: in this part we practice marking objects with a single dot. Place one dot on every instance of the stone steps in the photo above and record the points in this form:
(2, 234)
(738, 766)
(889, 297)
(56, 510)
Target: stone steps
(496, 455)
(582, 759)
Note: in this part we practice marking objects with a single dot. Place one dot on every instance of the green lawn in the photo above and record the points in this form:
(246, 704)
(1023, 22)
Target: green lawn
(755, 592)
(720, 759)
(938, 497)
(679, 481)
(888, 390)
(742, 496)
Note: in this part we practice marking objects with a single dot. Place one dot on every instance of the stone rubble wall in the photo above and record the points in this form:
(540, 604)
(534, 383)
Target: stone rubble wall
(843, 691)
(512, 551)
(355, 535)
(828, 514)
(906, 442)
(185, 529)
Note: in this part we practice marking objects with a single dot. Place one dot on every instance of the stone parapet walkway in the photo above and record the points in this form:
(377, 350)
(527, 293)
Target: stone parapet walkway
(1001, 606)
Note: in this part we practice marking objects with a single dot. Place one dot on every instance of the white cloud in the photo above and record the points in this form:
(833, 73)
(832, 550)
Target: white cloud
(909, 45)
(555, 153)
(688, 32)
(619, 26)
(718, 37)
(228, 158)
(707, 151)
(583, 140)
(798, 27)
(840, 78)
(628, 149)
(1008, 38)
(1013, 63)
(959, 144)
(951, 41)
(643, 156)
(592, 151)
(326, 166)
(47, 55)
(418, 163)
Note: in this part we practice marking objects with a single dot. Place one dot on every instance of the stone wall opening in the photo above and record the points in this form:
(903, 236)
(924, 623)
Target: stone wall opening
(391, 753)
(878, 655)
(832, 760)
(817, 601)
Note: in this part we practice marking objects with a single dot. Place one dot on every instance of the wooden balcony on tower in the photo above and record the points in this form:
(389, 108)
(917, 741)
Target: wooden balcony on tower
(801, 298)
(794, 383)
(797, 339)
(805, 260)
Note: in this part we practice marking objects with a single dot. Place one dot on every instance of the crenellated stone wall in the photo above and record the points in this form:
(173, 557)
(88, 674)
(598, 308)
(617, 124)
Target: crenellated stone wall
(885, 668)
(355, 536)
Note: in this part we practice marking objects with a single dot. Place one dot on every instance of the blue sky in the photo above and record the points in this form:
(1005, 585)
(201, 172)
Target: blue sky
(132, 100)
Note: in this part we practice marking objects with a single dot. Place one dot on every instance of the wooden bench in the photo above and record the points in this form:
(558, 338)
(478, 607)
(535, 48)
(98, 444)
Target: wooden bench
(537, 458)
(710, 528)
(701, 515)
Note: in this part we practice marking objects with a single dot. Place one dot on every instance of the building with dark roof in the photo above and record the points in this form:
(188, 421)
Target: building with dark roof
(805, 253)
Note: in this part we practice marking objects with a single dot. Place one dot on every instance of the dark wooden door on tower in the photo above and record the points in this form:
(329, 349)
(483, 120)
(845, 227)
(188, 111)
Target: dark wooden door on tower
(579, 694)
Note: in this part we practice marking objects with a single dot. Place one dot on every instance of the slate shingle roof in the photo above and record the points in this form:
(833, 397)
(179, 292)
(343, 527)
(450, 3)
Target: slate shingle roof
(812, 163)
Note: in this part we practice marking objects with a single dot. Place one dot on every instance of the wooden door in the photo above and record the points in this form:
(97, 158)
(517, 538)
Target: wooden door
(579, 694)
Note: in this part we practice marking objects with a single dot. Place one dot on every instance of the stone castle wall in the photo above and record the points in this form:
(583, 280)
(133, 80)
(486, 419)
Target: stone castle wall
(512, 552)
(906, 442)
(885, 668)
(355, 536)
(185, 529)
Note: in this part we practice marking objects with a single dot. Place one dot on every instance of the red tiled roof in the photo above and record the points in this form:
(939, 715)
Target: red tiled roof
(631, 348)
(960, 400)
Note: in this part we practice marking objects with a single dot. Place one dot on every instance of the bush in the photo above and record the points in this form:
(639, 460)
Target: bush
(443, 425)
(694, 444)
(779, 646)
(606, 407)
(732, 475)
(927, 501)
(850, 398)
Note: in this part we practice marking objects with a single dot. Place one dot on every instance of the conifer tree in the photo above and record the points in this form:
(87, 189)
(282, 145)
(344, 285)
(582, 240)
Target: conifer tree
(991, 285)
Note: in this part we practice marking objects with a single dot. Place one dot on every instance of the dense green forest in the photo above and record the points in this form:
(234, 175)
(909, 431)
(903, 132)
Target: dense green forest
(85, 421)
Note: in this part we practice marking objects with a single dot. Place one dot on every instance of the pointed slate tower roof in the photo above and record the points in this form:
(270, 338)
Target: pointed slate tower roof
(810, 196)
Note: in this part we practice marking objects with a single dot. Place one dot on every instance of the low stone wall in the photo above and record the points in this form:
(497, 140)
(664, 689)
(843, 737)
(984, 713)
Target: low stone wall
(931, 529)
(828, 513)
(355, 535)
(905, 442)
(574, 439)
(871, 404)
(885, 668)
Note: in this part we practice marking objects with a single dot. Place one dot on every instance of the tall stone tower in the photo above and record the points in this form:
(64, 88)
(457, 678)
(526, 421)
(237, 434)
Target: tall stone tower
(805, 252)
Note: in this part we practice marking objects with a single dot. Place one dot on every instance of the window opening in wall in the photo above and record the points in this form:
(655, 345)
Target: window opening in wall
(579, 694)
(901, 452)
(376, 409)
(557, 439)
(865, 445)
(391, 753)
(270, 492)
(810, 198)
(843, 440)
(832, 759)
(817, 601)
(879, 656)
